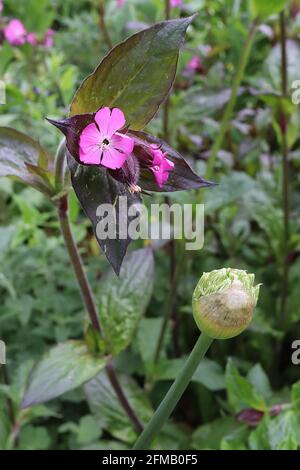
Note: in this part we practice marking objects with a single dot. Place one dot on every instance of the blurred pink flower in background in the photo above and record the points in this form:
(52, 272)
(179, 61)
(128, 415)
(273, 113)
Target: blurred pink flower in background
(1, 5)
(176, 3)
(194, 63)
(31, 38)
(120, 3)
(48, 38)
(15, 33)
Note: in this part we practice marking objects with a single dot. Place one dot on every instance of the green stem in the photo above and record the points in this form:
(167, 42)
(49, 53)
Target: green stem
(231, 103)
(285, 171)
(170, 301)
(103, 27)
(166, 107)
(167, 9)
(174, 394)
(9, 401)
(59, 165)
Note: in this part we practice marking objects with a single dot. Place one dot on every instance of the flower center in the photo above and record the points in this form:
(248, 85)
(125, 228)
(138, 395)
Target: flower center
(156, 168)
(105, 143)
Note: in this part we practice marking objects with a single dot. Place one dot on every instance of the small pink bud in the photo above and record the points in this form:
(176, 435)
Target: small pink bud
(250, 416)
(31, 38)
(275, 410)
(48, 39)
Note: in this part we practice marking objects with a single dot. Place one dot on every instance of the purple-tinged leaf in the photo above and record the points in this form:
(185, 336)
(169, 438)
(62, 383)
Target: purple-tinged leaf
(72, 128)
(24, 158)
(136, 75)
(180, 178)
(94, 186)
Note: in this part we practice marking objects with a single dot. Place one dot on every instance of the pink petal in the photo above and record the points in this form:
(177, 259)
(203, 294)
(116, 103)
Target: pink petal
(92, 157)
(113, 159)
(167, 164)
(102, 118)
(161, 177)
(123, 143)
(90, 136)
(90, 139)
(117, 121)
(109, 121)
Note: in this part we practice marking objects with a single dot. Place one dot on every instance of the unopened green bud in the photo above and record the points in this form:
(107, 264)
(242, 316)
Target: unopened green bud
(224, 301)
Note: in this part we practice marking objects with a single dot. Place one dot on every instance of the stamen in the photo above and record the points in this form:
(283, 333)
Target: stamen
(134, 188)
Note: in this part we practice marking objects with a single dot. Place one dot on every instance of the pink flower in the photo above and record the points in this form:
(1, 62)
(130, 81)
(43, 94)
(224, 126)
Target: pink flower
(32, 39)
(15, 33)
(120, 3)
(160, 165)
(176, 3)
(194, 63)
(101, 144)
(48, 39)
(1, 5)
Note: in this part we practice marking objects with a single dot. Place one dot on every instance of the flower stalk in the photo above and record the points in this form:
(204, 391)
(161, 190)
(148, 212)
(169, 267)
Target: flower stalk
(223, 304)
(285, 170)
(102, 25)
(231, 103)
(174, 394)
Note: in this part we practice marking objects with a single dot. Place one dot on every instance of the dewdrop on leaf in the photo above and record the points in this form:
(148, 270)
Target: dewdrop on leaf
(224, 301)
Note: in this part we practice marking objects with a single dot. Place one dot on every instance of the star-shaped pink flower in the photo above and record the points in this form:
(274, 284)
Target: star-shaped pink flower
(160, 165)
(101, 144)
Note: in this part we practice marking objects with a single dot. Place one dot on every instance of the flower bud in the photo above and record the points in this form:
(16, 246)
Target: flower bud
(224, 301)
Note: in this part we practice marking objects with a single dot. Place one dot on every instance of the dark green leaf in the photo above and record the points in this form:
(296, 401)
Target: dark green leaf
(107, 409)
(284, 431)
(265, 8)
(61, 369)
(181, 177)
(136, 75)
(123, 300)
(209, 373)
(95, 186)
(209, 435)
(20, 157)
(241, 393)
(258, 378)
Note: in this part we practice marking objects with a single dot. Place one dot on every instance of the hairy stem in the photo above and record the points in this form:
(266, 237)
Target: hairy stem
(77, 264)
(231, 103)
(285, 171)
(174, 394)
(103, 27)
